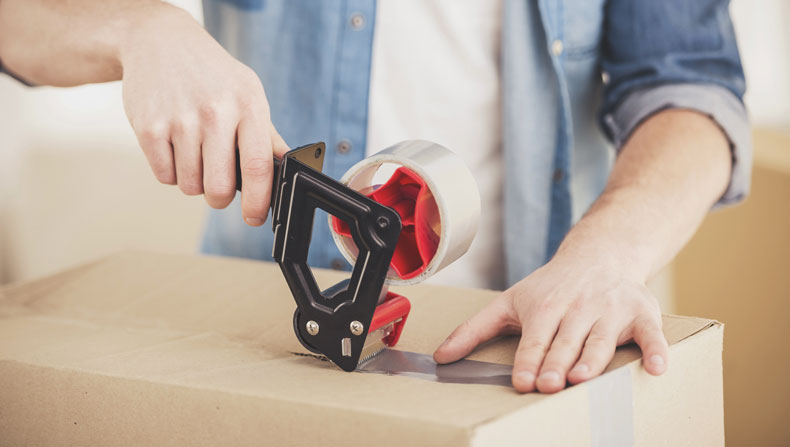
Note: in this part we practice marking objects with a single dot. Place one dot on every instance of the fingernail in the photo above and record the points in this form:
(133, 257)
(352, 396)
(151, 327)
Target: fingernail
(550, 376)
(657, 360)
(525, 377)
(581, 368)
(254, 221)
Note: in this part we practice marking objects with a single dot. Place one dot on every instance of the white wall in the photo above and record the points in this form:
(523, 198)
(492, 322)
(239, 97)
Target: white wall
(74, 184)
(763, 29)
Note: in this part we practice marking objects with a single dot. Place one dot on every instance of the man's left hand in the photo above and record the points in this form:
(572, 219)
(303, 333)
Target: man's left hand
(571, 315)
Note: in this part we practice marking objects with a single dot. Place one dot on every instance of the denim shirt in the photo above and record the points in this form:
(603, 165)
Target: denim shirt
(578, 76)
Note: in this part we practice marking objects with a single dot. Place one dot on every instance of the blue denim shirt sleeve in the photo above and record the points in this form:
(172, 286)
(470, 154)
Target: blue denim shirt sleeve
(676, 54)
(712, 100)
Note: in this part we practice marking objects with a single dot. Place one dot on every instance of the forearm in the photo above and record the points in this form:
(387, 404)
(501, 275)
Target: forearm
(73, 42)
(666, 178)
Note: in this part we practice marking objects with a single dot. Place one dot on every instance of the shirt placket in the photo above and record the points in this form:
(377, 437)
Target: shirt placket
(346, 145)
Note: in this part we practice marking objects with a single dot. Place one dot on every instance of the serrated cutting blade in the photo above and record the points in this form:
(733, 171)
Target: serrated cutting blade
(375, 343)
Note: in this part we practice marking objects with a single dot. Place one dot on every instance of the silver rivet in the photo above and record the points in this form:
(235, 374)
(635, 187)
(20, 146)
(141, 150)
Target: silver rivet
(357, 21)
(605, 77)
(345, 347)
(344, 146)
(556, 47)
(356, 327)
(312, 327)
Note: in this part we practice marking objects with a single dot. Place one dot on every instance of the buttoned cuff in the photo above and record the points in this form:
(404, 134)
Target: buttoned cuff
(717, 102)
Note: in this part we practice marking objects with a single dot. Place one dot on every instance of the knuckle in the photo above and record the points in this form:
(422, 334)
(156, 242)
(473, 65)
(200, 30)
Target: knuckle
(190, 187)
(219, 191)
(257, 167)
(563, 343)
(597, 341)
(578, 305)
(532, 345)
(152, 133)
(182, 126)
(210, 114)
(164, 174)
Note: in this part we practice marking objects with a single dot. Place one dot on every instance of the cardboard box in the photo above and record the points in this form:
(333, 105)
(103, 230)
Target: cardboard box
(151, 349)
(735, 269)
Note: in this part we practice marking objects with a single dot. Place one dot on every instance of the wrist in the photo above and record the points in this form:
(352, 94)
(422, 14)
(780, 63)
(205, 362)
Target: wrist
(606, 238)
(149, 25)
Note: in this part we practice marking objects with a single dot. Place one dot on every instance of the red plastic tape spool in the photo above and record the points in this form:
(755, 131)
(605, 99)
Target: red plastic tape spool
(407, 193)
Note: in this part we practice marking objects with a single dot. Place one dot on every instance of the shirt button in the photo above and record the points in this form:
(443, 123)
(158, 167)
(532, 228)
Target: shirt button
(357, 21)
(344, 146)
(558, 175)
(605, 77)
(337, 264)
(556, 47)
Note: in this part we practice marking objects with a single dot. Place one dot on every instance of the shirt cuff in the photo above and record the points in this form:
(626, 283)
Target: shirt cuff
(720, 104)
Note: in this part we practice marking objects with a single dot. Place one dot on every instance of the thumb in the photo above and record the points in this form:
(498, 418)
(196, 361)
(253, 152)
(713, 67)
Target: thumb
(495, 319)
(279, 146)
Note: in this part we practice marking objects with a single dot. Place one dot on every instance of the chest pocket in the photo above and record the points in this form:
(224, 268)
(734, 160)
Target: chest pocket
(582, 27)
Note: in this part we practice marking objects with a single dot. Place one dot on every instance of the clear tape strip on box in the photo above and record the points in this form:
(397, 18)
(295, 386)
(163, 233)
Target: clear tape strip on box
(610, 396)
(422, 366)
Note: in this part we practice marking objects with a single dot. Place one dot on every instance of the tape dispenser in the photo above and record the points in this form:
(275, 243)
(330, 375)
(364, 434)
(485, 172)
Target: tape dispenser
(398, 217)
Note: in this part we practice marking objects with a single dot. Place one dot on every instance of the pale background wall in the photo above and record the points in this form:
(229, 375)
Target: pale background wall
(74, 184)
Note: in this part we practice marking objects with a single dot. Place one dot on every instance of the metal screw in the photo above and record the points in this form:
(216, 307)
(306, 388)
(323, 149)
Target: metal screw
(312, 327)
(383, 222)
(317, 152)
(356, 327)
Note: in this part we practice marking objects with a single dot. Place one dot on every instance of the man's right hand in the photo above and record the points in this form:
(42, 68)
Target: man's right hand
(190, 104)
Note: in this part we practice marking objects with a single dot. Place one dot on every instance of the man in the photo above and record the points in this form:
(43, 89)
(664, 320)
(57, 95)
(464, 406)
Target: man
(513, 87)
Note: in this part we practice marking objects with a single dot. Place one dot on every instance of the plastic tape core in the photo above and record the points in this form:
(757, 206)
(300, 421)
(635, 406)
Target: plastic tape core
(436, 197)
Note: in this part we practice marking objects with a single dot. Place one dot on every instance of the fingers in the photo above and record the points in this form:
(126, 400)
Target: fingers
(255, 151)
(219, 170)
(189, 163)
(655, 352)
(597, 352)
(155, 142)
(495, 319)
(563, 353)
(201, 157)
(536, 335)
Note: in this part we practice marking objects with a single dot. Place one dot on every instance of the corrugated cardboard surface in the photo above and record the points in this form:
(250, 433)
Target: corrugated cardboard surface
(736, 269)
(160, 349)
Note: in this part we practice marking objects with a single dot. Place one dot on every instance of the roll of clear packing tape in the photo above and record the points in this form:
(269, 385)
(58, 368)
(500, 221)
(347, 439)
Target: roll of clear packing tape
(434, 193)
